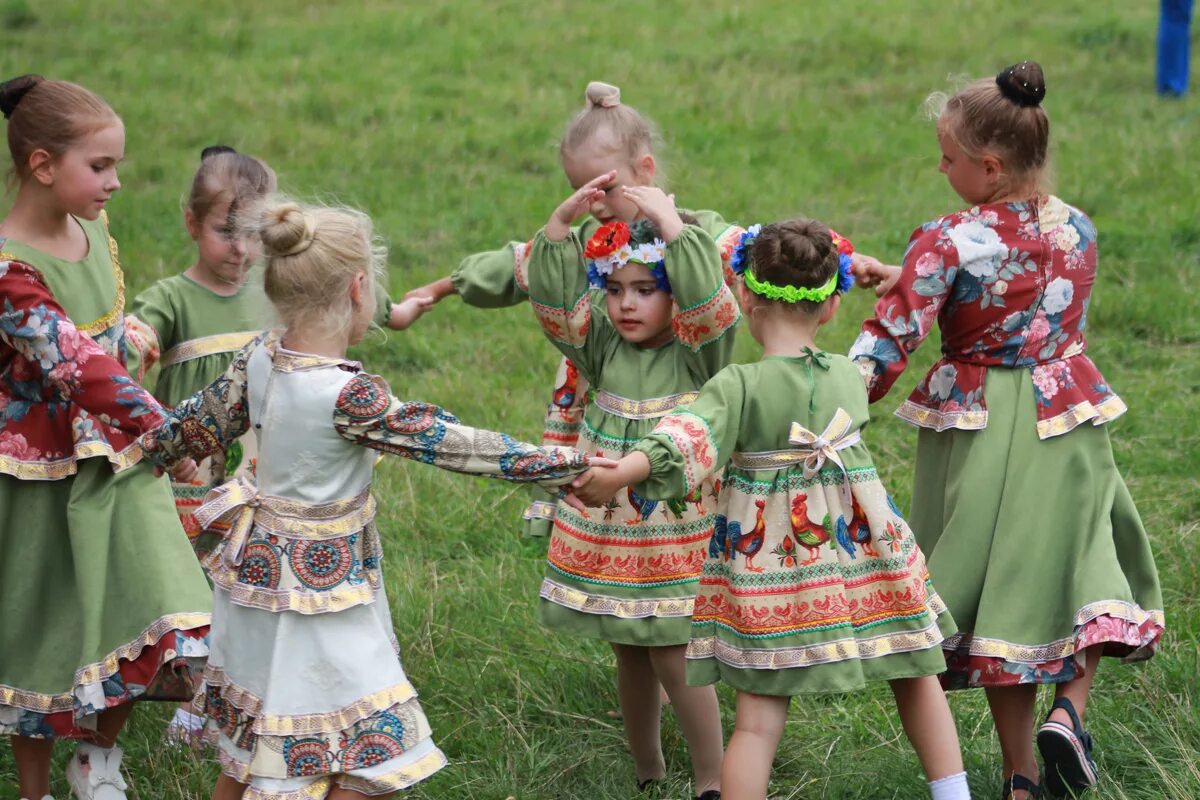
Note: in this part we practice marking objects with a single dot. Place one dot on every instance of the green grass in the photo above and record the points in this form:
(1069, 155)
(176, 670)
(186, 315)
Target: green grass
(442, 122)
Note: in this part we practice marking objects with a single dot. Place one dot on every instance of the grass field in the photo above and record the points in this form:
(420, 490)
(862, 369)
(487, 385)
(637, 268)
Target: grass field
(442, 120)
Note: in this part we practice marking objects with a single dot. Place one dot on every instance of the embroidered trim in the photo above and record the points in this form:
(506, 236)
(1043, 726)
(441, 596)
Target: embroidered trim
(114, 314)
(539, 509)
(939, 421)
(651, 408)
(305, 724)
(103, 669)
(397, 780)
(1053, 651)
(669, 607)
(1107, 411)
(284, 360)
(567, 326)
(64, 467)
(207, 346)
(520, 265)
(707, 321)
(300, 601)
(810, 655)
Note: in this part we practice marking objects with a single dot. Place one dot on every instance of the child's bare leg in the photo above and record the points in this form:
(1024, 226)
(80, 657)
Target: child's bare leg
(927, 722)
(33, 765)
(637, 693)
(1012, 712)
(698, 714)
(228, 789)
(756, 735)
(109, 724)
(1077, 691)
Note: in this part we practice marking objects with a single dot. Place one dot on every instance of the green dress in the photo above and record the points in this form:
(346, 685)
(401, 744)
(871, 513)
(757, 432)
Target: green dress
(103, 601)
(496, 279)
(628, 572)
(813, 582)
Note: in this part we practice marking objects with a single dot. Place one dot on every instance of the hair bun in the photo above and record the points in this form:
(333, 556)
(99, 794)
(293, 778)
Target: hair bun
(215, 150)
(11, 92)
(286, 230)
(1023, 83)
(602, 95)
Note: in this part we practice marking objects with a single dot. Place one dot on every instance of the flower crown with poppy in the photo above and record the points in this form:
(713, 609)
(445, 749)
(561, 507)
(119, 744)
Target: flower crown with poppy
(840, 281)
(616, 244)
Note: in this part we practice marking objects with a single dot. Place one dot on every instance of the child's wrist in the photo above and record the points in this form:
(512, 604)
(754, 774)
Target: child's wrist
(670, 228)
(555, 230)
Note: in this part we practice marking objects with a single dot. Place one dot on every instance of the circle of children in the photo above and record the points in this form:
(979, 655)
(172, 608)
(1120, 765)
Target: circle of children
(711, 521)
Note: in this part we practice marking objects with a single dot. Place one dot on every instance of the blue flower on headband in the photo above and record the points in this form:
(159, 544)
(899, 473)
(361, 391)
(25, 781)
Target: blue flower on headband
(845, 273)
(741, 258)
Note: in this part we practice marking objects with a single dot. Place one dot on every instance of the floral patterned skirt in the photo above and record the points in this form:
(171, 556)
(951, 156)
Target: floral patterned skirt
(103, 601)
(299, 702)
(1035, 545)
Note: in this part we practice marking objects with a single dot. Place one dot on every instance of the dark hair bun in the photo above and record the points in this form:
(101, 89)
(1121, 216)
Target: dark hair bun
(215, 150)
(1023, 83)
(11, 92)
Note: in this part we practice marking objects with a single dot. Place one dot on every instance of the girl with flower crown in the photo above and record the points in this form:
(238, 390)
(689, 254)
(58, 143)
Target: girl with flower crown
(813, 581)
(627, 574)
(1042, 583)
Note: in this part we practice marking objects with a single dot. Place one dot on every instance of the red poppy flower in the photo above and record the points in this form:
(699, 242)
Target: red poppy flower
(607, 239)
(843, 244)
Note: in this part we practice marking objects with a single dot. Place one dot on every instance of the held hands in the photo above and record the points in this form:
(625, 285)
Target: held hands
(436, 291)
(574, 206)
(871, 272)
(606, 477)
(409, 310)
(184, 471)
(658, 207)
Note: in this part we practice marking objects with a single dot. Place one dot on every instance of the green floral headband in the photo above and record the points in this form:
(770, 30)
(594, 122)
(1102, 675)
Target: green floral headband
(791, 294)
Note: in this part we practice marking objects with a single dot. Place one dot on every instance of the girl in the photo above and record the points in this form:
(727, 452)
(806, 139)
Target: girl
(813, 582)
(304, 693)
(1041, 584)
(606, 136)
(629, 576)
(102, 602)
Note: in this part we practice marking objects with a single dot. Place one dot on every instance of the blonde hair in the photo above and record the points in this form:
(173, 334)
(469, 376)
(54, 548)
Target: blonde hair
(628, 132)
(1002, 116)
(311, 256)
(48, 115)
(225, 175)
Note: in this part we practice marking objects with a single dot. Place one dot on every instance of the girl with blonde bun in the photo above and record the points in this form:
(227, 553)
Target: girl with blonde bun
(304, 693)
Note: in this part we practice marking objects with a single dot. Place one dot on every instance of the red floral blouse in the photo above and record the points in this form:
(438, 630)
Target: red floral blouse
(62, 397)
(1009, 285)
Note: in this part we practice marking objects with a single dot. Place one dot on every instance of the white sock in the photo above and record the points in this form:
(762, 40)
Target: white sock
(952, 787)
(187, 720)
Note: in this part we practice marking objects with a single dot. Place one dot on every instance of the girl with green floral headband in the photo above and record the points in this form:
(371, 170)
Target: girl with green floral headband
(813, 581)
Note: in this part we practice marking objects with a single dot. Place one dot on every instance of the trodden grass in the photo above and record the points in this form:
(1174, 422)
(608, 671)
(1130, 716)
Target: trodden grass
(441, 120)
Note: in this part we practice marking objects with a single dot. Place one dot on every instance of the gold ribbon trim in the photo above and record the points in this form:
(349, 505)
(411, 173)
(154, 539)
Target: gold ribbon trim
(812, 451)
(239, 505)
(651, 408)
(207, 346)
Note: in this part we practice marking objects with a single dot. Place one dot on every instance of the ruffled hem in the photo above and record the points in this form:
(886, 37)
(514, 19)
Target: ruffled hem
(641, 608)
(158, 665)
(939, 419)
(298, 600)
(266, 724)
(1099, 414)
(1131, 637)
(27, 470)
(393, 781)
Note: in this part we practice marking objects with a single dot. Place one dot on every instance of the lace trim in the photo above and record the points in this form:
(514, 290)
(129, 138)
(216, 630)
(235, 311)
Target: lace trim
(207, 346)
(1106, 411)
(939, 421)
(651, 408)
(586, 603)
(65, 467)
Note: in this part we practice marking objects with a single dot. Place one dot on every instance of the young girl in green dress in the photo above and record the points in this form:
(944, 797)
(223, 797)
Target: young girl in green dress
(813, 581)
(103, 601)
(1032, 537)
(662, 327)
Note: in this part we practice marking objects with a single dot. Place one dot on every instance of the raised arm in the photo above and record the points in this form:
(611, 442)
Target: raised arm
(905, 315)
(368, 414)
(208, 421)
(50, 361)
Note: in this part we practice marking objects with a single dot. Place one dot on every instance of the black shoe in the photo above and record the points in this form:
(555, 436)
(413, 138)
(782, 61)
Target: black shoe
(711, 794)
(648, 786)
(1019, 783)
(1067, 753)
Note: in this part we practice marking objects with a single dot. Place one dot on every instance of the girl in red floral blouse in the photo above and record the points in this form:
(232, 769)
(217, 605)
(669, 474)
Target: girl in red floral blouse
(1031, 535)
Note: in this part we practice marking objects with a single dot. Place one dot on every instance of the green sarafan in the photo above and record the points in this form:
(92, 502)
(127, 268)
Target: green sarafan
(441, 121)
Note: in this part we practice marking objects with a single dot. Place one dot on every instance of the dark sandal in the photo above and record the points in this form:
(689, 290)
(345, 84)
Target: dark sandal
(1019, 783)
(1067, 753)
(711, 794)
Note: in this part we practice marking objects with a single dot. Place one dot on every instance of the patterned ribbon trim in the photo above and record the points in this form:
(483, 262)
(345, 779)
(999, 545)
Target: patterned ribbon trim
(652, 408)
(207, 346)
(239, 505)
(812, 450)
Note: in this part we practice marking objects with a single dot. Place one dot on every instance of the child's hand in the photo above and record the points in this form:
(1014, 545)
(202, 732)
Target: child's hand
(184, 471)
(658, 207)
(576, 205)
(436, 291)
(597, 486)
(870, 272)
(408, 311)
